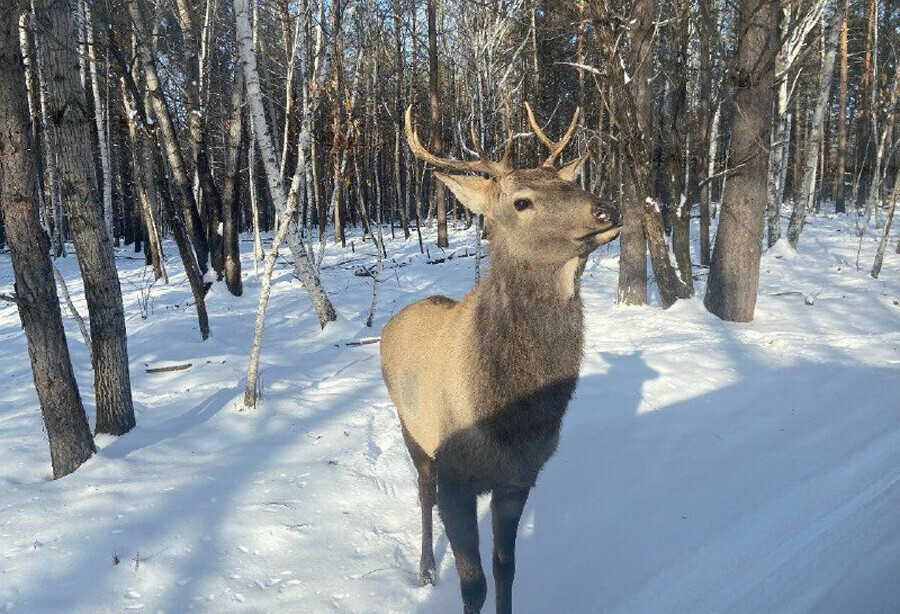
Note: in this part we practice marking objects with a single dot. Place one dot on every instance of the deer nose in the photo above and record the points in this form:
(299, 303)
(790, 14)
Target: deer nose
(605, 212)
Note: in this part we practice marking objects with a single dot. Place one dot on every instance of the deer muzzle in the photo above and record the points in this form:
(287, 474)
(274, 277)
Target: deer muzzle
(605, 213)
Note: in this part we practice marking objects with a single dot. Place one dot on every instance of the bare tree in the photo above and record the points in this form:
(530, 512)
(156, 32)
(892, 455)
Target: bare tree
(67, 107)
(437, 145)
(734, 273)
(811, 165)
(64, 418)
(302, 267)
(885, 235)
(183, 229)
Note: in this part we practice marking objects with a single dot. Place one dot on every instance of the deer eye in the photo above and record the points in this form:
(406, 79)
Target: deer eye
(522, 203)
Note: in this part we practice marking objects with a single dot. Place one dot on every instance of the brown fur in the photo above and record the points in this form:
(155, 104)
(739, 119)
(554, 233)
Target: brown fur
(481, 385)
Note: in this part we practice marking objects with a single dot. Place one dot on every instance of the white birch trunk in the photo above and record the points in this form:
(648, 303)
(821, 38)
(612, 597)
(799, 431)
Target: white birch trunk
(811, 163)
(872, 198)
(287, 203)
(885, 235)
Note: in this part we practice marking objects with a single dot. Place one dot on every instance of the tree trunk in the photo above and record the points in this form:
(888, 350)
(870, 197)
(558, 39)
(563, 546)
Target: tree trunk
(437, 145)
(780, 142)
(100, 122)
(734, 274)
(48, 141)
(885, 235)
(632, 240)
(705, 134)
(887, 130)
(169, 141)
(61, 408)
(212, 201)
(236, 144)
(302, 268)
(808, 189)
(67, 106)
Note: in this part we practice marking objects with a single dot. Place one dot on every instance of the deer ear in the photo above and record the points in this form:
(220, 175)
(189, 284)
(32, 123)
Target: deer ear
(572, 170)
(473, 192)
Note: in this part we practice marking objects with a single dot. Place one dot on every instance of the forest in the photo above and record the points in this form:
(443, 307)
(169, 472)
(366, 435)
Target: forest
(176, 175)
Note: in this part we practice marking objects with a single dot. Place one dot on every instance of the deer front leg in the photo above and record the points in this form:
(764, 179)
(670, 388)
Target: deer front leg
(457, 504)
(506, 510)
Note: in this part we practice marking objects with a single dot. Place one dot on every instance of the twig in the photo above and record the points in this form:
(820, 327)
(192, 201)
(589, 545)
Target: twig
(10, 298)
(64, 290)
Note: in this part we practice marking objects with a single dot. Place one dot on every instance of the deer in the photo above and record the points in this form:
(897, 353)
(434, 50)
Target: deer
(481, 385)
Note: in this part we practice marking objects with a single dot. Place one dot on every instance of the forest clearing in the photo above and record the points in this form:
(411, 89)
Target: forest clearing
(326, 305)
(704, 466)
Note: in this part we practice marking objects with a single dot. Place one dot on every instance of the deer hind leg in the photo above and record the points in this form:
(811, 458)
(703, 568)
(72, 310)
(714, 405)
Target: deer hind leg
(506, 510)
(427, 493)
(457, 504)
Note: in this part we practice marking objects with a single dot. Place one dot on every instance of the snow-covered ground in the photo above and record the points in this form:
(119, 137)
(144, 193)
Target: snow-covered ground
(704, 467)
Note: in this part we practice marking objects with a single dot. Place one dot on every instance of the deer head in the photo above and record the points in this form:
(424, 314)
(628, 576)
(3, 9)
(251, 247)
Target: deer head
(536, 214)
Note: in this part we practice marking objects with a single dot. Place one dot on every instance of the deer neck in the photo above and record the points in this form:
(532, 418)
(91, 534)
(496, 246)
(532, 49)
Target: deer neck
(529, 337)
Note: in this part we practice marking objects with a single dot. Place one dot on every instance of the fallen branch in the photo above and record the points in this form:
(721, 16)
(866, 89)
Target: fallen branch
(361, 341)
(170, 368)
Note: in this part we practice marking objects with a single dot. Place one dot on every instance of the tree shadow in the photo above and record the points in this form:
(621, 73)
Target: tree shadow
(770, 494)
(198, 523)
(142, 437)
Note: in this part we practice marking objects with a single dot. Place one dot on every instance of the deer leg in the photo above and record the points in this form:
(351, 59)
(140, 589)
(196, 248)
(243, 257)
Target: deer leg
(457, 504)
(425, 468)
(506, 510)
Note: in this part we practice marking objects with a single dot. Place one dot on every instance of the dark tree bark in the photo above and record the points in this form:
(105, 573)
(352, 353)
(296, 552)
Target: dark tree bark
(63, 413)
(674, 159)
(840, 172)
(185, 224)
(67, 109)
(169, 141)
(703, 129)
(632, 240)
(212, 202)
(734, 274)
(437, 145)
(237, 144)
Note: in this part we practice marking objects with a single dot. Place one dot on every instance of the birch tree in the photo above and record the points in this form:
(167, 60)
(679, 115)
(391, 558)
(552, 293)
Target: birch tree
(811, 164)
(167, 139)
(302, 267)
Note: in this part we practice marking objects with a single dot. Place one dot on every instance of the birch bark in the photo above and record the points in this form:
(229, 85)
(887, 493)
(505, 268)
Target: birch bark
(302, 268)
(811, 165)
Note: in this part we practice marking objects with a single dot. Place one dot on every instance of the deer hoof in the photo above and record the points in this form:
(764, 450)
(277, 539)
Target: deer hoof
(426, 576)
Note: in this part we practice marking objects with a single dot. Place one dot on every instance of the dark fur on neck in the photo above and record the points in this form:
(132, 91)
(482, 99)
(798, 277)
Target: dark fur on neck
(529, 346)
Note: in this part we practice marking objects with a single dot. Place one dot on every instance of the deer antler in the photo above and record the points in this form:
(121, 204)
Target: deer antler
(482, 165)
(555, 147)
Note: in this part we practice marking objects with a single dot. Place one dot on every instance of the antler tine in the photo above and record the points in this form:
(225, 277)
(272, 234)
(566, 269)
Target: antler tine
(561, 144)
(480, 166)
(537, 129)
(556, 147)
(476, 142)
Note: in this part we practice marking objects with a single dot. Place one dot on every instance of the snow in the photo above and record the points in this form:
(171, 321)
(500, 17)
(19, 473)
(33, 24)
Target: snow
(704, 466)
